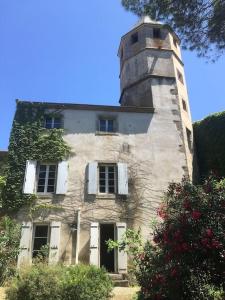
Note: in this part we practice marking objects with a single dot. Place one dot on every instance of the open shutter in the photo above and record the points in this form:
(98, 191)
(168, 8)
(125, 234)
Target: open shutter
(122, 179)
(24, 257)
(61, 186)
(54, 242)
(30, 176)
(92, 178)
(121, 255)
(94, 244)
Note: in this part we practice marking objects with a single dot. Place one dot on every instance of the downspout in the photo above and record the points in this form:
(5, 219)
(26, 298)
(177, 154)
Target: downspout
(78, 236)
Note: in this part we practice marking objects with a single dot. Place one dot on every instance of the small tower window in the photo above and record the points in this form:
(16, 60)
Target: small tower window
(180, 76)
(134, 38)
(175, 42)
(189, 138)
(184, 104)
(156, 33)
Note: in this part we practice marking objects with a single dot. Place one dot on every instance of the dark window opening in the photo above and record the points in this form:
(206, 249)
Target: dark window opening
(134, 38)
(180, 77)
(106, 125)
(175, 42)
(156, 33)
(107, 258)
(189, 138)
(184, 105)
(41, 237)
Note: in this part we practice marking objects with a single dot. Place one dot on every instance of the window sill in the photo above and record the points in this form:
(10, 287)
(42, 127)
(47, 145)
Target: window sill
(105, 133)
(44, 196)
(106, 196)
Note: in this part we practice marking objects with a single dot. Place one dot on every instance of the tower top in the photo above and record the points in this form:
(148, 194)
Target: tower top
(146, 20)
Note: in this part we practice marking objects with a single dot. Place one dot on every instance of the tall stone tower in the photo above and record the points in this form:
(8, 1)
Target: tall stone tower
(152, 75)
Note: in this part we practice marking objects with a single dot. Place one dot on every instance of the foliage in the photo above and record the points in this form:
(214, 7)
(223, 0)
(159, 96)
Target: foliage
(29, 140)
(2, 185)
(9, 247)
(186, 259)
(199, 23)
(42, 282)
(210, 144)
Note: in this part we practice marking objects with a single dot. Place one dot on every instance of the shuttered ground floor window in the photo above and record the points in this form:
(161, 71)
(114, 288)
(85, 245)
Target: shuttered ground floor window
(40, 239)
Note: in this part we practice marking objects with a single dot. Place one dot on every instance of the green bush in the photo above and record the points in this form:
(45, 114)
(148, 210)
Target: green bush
(41, 282)
(9, 247)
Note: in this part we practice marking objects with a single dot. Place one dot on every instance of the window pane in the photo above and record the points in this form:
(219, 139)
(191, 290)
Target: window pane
(42, 168)
(51, 182)
(57, 123)
(102, 125)
(41, 189)
(48, 123)
(111, 189)
(51, 189)
(41, 231)
(111, 169)
(102, 189)
(51, 175)
(52, 168)
(41, 182)
(110, 125)
(102, 169)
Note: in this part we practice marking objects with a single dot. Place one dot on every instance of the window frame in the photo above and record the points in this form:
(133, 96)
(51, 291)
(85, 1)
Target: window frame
(33, 236)
(107, 165)
(45, 192)
(107, 125)
(159, 33)
(53, 118)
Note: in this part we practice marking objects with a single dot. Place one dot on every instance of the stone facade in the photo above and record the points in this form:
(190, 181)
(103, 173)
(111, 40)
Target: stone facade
(148, 148)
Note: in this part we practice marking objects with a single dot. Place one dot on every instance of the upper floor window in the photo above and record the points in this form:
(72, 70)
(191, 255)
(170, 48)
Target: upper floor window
(41, 239)
(175, 42)
(180, 76)
(189, 138)
(46, 179)
(134, 38)
(53, 122)
(184, 104)
(107, 179)
(106, 125)
(156, 33)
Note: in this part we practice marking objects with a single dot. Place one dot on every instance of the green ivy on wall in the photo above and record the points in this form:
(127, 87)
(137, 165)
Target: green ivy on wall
(210, 144)
(29, 140)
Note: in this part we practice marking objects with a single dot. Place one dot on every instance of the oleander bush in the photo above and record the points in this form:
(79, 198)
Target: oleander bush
(41, 282)
(186, 259)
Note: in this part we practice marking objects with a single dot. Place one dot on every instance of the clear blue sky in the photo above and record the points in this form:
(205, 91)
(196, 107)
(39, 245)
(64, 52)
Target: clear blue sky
(66, 51)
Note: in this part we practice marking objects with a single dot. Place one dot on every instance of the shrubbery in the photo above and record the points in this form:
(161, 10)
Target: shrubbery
(41, 282)
(9, 247)
(187, 258)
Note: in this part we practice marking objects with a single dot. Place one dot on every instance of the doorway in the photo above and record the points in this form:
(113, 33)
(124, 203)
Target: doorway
(107, 259)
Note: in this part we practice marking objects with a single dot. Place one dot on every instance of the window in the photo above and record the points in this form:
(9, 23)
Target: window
(189, 139)
(46, 179)
(156, 33)
(180, 77)
(53, 122)
(107, 179)
(184, 105)
(134, 38)
(106, 125)
(41, 239)
(175, 42)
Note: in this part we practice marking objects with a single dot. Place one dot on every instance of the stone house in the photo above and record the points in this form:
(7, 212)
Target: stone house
(124, 156)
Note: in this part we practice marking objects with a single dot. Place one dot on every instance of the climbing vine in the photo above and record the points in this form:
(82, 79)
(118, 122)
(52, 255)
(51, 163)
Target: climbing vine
(210, 144)
(29, 140)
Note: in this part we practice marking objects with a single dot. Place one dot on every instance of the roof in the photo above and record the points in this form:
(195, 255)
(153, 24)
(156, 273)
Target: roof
(75, 106)
(146, 20)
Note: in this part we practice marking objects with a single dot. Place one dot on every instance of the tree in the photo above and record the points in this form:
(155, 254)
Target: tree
(199, 23)
(186, 259)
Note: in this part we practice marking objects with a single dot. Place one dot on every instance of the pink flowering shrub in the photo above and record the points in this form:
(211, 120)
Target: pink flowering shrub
(186, 259)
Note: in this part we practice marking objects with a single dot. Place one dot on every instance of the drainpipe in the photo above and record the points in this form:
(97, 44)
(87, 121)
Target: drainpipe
(78, 236)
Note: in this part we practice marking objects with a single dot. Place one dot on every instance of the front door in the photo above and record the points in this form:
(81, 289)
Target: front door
(107, 258)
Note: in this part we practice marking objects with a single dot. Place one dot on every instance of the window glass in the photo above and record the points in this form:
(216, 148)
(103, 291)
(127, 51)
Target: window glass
(106, 125)
(53, 122)
(107, 182)
(156, 33)
(134, 38)
(102, 125)
(40, 238)
(46, 179)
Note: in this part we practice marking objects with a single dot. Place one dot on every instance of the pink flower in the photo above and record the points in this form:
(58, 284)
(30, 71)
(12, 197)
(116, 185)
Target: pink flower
(209, 232)
(196, 214)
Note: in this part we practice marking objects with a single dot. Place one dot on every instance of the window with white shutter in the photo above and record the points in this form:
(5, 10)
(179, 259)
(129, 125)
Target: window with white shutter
(30, 177)
(55, 228)
(92, 178)
(121, 255)
(94, 244)
(24, 256)
(62, 174)
(122, 179)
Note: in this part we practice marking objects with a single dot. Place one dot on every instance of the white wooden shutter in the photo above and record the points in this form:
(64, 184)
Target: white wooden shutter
(24, 257)
(94, 244)
(92, 177)
(30, 176)
(122, 179)
(54, 242)
(121, 255)
(62, 174)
